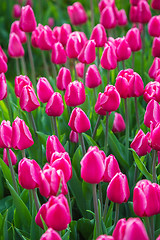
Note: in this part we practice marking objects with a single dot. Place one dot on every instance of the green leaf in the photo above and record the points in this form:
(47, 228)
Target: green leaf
(42, 137)
(6, 171)
(73, 228)
(141, 165)
(89, 140)
(85, 227)
(77, 157)
(108, 220)
(21, 209)
(20, 236)
(66, 235)
(35, 232)
(5, 226)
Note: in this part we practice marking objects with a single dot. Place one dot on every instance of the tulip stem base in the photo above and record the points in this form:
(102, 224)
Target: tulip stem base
(96, 126)
(45, 64)
(108, 77)
(36, 199)
(95, 202)
(12, 171)
(152, 227)
(23, 153)
(75, 72)
(127, 128)
(100, 195)
(23, 64)
(84, 74)
(105, 208)
(98, 58)
(148, 227)
(17, 67)
(154, 157)
(123, 64)
(116, 214)
(95, 95)
(53, 119)
(133, 59)
(106, 135)
(82, 143)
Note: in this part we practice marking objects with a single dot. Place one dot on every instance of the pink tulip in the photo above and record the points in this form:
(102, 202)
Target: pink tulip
(5, 134)
(109, 57)
(55, 106)
(80, 69)
(44, 90)
(35, 35)
(154, 67)
(122, 18)
(75, 94)
(73, 137)
(20, 82)
(77, 14)
(99, 35)
(50, 234)
(28, 100)
(118, 189)
(64, 33)
(74, 45)
(56, 206)
(3, 65)
(15, 48)
(123, 49)
(79, 121)
(98, 106)
(3, 55)
(28, 173)
(56, 32)
(104, 3)
(3, 86)
(154, 26)
(111, 168)
(27, 20)
(154, 140)
(51, 22)
(140, 143)
(156, 47)
(21, 136)
(63, 78)
(15, 29)
(45, 38)
(88, 52)
(107, 18)
(146, 198)
(93, 77)
(159, 235)
(12, 156)
(133, 14)
(152, 113)
(155, 4)
(133, 38)
(105, 237)
(58, 54)
(53, 145)
(152, 91)
(16, 12)
(92, 166)
(118, 123)
(144, 13)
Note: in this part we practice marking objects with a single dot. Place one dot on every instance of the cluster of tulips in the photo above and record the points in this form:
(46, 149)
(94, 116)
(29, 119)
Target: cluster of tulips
(89, 62)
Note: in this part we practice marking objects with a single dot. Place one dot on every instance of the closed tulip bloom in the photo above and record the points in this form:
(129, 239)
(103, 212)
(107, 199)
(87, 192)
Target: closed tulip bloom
(44, 90)
(51, 22)
(154, 26)
(152, 91)
(50, 234)
(5, 134)
(146, 199)
(154, 67)
(27, 20)
(79, 122)
(63, 78)
(3, 55)
(77, 14)
(15, 29)
(99, 35)
(133, 14)
(140, 143)
(155, 4)
(93, 77)
(80, 69)
(55, 106)
(123, 49)
(21, 136)
(28, 100)
(118, 189)
(53, 145)
(122, 18)
(144, 13)
(3, 65)
(12, 156)
(92, 167)
(73, 136)
(56, 32)
(156, 47)
(74, 45)
(104, 3)
(157, 78)
(118, 123)
(107, 18)
(16, 12)
(109, 57)
(133, 38)
(46, 39)
(98, 106)
(105, 237)
(154, 140)
(75, 94)
(28, 173)
(88, 52)
(35, 35)
(111, 168)
(152, 113)
(15, 48)
(58, 54)
(158, 238)
(64, 33)
(3, 86)
(20, 82)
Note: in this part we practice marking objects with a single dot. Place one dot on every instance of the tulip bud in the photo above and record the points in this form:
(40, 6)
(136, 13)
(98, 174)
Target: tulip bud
(155, 66)
(53, 145)
(109, 57)
(28, 173)
(123, 50)
(51, 22)
(73, 136)
(35, 35)
(44, 90)
(118, 189)
(122, 18)
(93, 77)
(107, 18)
(88, 52)
(21, 136)
(55, 105)
(15, 48)
(104, 3)
(99, 35)
(64, 33)
(50, 234)
(3, 55)
(3, 86)
(155, 4)
(58, 54)
(46, 39)
(15, 29)
(92, 167)
(73, 46)
(12, 156)
(111, 168)
(133, 38)
(79, 121)
(156, 47)
(118, 123)
(77, 14)
(133, 14)
(20, 82)
(152, 113)
(5, 134)
(152, 91)
(27, 21)
(3, 65)
(144, 13)
(63, 78)
(80, 69)
(75, 94)
(154, 140)
(98, 106)
(105, 237)
(16, 11)
(154, 26)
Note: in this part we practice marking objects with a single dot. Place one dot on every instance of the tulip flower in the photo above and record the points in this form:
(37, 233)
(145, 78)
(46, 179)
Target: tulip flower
(12, 156)
(107, 18)
(15, 48)
(77, 14)
(16, 12)
(155, 47)
(3, 86)
(144, 13)
(105, 237)
(45, 38)
(152, 114)
(55, 105)
(74, 44)
(111, 168)
(122, 18)
(51, 22)
(98, 106)
(65, 31)
(93, 77)
(5, 134)
(88, 54)
(109, 58)
(27, 20)
(58, 54)
(35, 35)
(118, 123)
(154, 67)
(99, 35)
(44, 90)
(50, 234)
(152, 91)
(123, 49)
(63, 78)
(154, 26)
(73, 136)
(133, 38)
(153, 140)
(104, 3)
(53, 145)
(15, 29)
(80, 69)
(20, 82)
(3, 55)
(155, 4)
(3, 65)
(133, 14)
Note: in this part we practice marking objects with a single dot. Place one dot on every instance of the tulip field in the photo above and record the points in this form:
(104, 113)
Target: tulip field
(80, 120)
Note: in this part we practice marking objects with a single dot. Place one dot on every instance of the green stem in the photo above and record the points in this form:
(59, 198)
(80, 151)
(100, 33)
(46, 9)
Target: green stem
(106, 135)
(154, 158)
(108, 77)
(148, 227)
(69, 203)
(152, 227)
(82, 143)
(96, 126)
(23, 64)
(118, 67)
(116, 214)
(45, 64)
(35, 199)
(98, 58)
(137, 115)
(123, 64)
(8, 104)
(84, 74)
(143, 49)
(30, 201)
(53, 67)
(92, 13)
(17, 67)
(95, 95)
(12, 171)
(133, 59)
(105, 208)
(55, 125)
(100, 195)
(33, 73)
(76, 77)
(95, 202)
(31, 118)
(23, 153)
(127, 127)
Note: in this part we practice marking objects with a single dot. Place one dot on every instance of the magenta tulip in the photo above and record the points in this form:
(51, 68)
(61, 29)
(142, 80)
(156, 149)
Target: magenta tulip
(53, 145)
(63, 78)
(12, 156)
(20, 82)
(144, 13)
(50, 234)
(111, 168)
(58, 54)
(152, 114)
(27, 20)
(109, 57)
(44, 90)
(5, 134)
(55, 106)
(154, 67)
(15, 48)
(108, 18)
(154, 26)
(99, 35)
(118, 123)
(16, 12)
(77, 14)
(15, 29)
(133, 38)
(88, 52)
(3, 86)
(93, 77)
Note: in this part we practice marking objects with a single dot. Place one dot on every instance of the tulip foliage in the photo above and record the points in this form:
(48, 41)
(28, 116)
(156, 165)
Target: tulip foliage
(80, 120)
